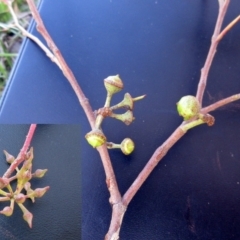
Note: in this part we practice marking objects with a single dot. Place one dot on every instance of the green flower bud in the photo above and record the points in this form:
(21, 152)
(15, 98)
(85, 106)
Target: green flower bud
(95, 138)
(127, 146)
(188, 107)
(113, 84)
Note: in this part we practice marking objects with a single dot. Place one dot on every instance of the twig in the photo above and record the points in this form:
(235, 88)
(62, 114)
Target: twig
(159, 153)
(228, 27)
(6, 27)
(21, 156)
(8, 54)
(223, 5)
(29, 35)
(220, 103)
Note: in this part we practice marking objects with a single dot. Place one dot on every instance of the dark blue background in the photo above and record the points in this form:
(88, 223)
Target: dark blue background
(158, 48)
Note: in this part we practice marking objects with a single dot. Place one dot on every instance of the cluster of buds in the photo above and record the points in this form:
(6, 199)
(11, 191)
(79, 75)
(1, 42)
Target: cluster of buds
(189, 107)
(96, 137)
(23, 177)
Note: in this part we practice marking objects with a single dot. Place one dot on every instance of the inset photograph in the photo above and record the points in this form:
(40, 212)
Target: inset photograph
(40, 182)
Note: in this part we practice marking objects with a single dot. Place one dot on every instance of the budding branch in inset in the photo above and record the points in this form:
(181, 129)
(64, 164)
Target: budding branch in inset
(23, 176)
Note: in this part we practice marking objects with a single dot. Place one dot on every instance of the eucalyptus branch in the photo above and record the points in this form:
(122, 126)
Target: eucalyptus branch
(119, 203)
(223, 5)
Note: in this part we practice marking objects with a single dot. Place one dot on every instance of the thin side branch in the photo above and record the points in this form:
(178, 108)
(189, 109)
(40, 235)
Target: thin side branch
(29, 35)
(223, 5)
(228, 27)
(159, 153)
(221, 103)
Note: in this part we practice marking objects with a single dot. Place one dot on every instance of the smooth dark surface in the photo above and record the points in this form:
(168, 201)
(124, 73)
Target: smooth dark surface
(57, 214)
(158, 48)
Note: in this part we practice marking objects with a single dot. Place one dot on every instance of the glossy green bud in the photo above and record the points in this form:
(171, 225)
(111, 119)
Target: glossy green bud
(188, 107)
(95, 138)
(127, 146)
(113, 84)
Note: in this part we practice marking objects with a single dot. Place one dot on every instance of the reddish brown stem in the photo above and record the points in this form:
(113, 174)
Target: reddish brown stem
(228, 27)
(159, 153)
(220, 103)
(21, 156)
(115, 196)
(205, 70)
